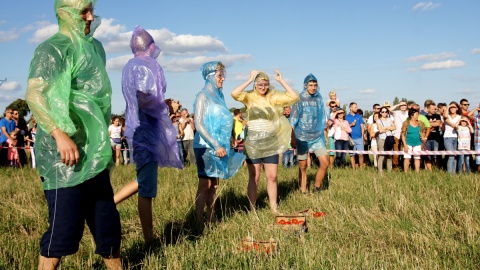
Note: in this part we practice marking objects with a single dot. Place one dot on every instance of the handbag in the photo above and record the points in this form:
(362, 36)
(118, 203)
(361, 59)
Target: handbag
(351, 142)
(389, 141)
(338, 133)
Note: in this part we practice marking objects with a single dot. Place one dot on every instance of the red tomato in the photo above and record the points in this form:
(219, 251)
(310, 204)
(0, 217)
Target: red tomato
(294, 221)
(288, 223)
(282, 222)
(300, 222)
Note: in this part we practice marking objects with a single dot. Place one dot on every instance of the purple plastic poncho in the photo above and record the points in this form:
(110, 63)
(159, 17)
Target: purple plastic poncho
(149, 129)
(214, 123)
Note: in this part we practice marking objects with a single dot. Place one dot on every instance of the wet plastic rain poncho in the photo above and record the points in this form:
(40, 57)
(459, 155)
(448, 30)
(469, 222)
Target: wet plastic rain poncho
(308, 119)
(149, 129)
(68, 89)
(268, 132)
(214, 123)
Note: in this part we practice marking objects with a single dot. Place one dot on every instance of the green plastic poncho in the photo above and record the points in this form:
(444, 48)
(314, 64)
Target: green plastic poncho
(268, 132)
(69, 89)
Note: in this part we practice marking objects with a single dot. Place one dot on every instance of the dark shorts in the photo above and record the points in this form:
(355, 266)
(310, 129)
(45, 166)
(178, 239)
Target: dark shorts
(69, 208)
(147, 175)
(199, 153)
(266, 160)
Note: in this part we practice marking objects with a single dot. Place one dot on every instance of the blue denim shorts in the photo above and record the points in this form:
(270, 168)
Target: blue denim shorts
(358, 146)
(147, 180)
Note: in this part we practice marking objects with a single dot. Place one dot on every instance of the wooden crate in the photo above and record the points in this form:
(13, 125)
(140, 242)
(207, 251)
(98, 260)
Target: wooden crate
(261, 246)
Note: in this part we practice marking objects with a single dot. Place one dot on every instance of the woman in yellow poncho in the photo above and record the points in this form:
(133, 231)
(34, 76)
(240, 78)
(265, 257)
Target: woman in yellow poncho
(267, 132)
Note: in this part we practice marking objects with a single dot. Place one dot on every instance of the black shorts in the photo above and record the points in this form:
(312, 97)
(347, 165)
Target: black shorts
(265, 160)
(69, 208)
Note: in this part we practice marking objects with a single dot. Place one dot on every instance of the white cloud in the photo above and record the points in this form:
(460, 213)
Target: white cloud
(5, 98)
(432, 57)
(340, 88)
(443, 65)
(9, 35)
(194, 63)
(476, 51)
(116, 40)
(425, 6)
(3, 22)
(368, 91)
(43, 31)
(10, 86)
(466, 91)
(117, 63)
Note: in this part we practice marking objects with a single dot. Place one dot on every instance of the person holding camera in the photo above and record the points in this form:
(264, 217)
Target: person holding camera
(187, 125)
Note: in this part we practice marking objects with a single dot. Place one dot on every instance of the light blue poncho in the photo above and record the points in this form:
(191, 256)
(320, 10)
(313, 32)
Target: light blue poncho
(214, 123)
(308, 118)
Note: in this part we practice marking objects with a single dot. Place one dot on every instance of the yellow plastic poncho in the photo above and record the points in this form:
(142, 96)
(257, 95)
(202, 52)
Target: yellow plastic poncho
(268, 132)
(69, 89)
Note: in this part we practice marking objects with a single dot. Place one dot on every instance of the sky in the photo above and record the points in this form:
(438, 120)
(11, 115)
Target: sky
(366, 51)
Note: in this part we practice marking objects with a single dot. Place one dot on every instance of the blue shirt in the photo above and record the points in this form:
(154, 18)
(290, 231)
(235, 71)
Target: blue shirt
(8, 125)
(357, 129)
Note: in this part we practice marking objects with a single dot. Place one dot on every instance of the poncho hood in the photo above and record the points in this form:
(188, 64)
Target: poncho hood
(69, 19)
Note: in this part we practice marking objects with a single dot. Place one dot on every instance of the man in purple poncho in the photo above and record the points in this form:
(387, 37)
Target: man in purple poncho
(149, 129)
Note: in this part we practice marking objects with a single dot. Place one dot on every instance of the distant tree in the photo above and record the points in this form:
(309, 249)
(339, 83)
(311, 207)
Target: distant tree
(396, 101)
(404, 100)
(344, 107)
(243, 109)
(22, 107)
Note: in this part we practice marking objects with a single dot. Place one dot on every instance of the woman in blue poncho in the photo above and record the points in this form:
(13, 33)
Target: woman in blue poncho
(213, 122)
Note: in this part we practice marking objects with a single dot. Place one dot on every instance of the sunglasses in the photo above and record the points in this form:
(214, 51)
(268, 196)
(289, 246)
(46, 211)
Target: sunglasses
(384, 112)
(466, 104)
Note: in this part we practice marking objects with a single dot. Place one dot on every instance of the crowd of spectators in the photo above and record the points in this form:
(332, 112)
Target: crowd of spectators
(452, 127)
(404, 127)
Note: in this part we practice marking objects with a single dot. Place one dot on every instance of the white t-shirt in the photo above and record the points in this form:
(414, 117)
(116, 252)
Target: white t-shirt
(399, 117)
(188, 131)
(450, 132)
(115, 132)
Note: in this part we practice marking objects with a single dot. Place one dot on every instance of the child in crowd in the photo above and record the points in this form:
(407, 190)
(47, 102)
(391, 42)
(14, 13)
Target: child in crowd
(464, 130)
(333, 97)
(13, 160)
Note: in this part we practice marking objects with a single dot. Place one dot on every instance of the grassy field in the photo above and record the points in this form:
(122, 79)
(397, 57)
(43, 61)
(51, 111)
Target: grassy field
(396, 221)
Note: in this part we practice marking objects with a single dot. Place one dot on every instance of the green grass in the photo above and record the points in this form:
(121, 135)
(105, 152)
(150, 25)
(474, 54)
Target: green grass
(395, 221)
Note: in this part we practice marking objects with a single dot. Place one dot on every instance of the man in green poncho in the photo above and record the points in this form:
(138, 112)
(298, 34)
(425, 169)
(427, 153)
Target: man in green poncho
(70, 94)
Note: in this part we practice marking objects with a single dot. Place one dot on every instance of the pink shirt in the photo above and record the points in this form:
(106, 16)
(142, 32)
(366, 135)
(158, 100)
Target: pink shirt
(337, 123)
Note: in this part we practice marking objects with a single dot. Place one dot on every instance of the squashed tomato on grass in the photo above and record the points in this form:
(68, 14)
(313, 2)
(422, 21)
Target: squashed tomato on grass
(319, 214)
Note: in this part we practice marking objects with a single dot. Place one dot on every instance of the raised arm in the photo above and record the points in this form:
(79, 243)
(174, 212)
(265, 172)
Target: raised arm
(292, 93)
(236, 92)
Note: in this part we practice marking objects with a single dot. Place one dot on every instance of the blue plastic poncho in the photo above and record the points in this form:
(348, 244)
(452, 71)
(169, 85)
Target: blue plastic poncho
(308, 118)
(68, 89)
(214, 123)
(268, 132)
(149, 129)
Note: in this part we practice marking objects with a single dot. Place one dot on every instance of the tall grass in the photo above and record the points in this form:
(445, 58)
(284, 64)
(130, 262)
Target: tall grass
(394, 221)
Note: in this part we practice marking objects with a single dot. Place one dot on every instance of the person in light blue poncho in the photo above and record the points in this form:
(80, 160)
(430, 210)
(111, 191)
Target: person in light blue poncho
(308, 120)
(213, 122)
